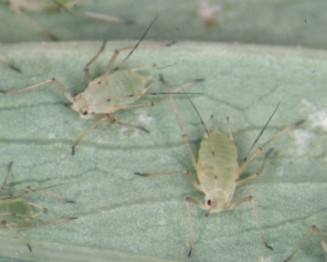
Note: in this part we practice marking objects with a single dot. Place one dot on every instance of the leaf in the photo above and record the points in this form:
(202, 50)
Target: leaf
(292, 22)
(124, 215)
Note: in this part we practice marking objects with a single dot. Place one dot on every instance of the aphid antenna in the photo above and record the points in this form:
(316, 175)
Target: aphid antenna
(189, 99)
(173, 105)
(137, 44)
(198, 114)
(261, 132)
(4, 183)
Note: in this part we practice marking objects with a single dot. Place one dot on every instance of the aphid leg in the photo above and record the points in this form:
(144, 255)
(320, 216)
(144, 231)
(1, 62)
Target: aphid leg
(29, 189)
(200, 205)
(9, 64)
(251, 156)
(87, 67)
(14, 231)
(194, 181)
(43, 210)
(230, 130)
(317, 232)
(251, 199)
(104, 118)
(107, 18)
(51, 80)
(178, 119)
(178, 172)
(57, 196)
(8, 173)
(111, 64)
(35, 23)
(243, 181)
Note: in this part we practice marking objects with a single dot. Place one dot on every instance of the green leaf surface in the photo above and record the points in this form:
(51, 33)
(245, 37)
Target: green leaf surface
(131, 218)
(291, 22)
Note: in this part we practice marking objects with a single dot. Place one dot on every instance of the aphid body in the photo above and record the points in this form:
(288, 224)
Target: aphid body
(217, 171)
(115, 90)
(16, 211)
(111, 92)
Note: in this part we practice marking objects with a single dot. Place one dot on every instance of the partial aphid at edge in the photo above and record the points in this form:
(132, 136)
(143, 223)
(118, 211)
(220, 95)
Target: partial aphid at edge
(209, 13)
(26, 8)
(18, 212)
(217, 171)
(319, 235)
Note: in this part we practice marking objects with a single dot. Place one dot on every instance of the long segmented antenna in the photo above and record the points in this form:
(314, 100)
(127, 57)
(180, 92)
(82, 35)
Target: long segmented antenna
(198, 113)
(261, 132)
(137, 44)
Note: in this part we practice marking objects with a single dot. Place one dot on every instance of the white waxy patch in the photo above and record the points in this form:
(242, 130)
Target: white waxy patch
(144, 118)
(317, 117)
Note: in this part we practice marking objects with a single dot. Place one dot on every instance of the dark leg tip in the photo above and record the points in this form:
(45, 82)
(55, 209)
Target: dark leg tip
(145, 130)
(189, 253)
(139, 174)
(269, 246)
(73, 150)
(15, 68)
(29, 247)
(300, 122)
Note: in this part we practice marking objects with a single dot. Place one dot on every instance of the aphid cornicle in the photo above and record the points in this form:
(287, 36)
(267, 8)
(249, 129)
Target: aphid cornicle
(117, 89)
(217, 171)
(320, 236)
(17, 212)
(24, 7)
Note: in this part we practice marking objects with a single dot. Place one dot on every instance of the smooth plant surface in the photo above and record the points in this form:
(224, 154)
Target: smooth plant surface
(127, 217)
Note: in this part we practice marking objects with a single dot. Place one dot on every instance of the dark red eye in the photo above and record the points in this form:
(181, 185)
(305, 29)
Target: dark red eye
(209, 202)
(85, 113)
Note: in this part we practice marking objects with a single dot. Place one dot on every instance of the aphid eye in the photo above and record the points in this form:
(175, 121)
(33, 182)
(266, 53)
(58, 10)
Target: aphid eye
(84, 113)
(209, 202)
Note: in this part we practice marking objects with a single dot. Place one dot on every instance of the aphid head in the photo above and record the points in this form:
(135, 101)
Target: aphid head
(81, 105)
(215, 203)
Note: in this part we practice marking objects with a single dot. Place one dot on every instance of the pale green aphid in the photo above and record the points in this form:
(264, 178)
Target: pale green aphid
(217, 171)
(317, 232)
(117, 89)
(209, 13)
(25, 7)
(17, 212)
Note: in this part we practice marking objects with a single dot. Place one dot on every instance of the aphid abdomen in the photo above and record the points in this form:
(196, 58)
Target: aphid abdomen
(17, 206)
(219, 163)
(112, 93)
